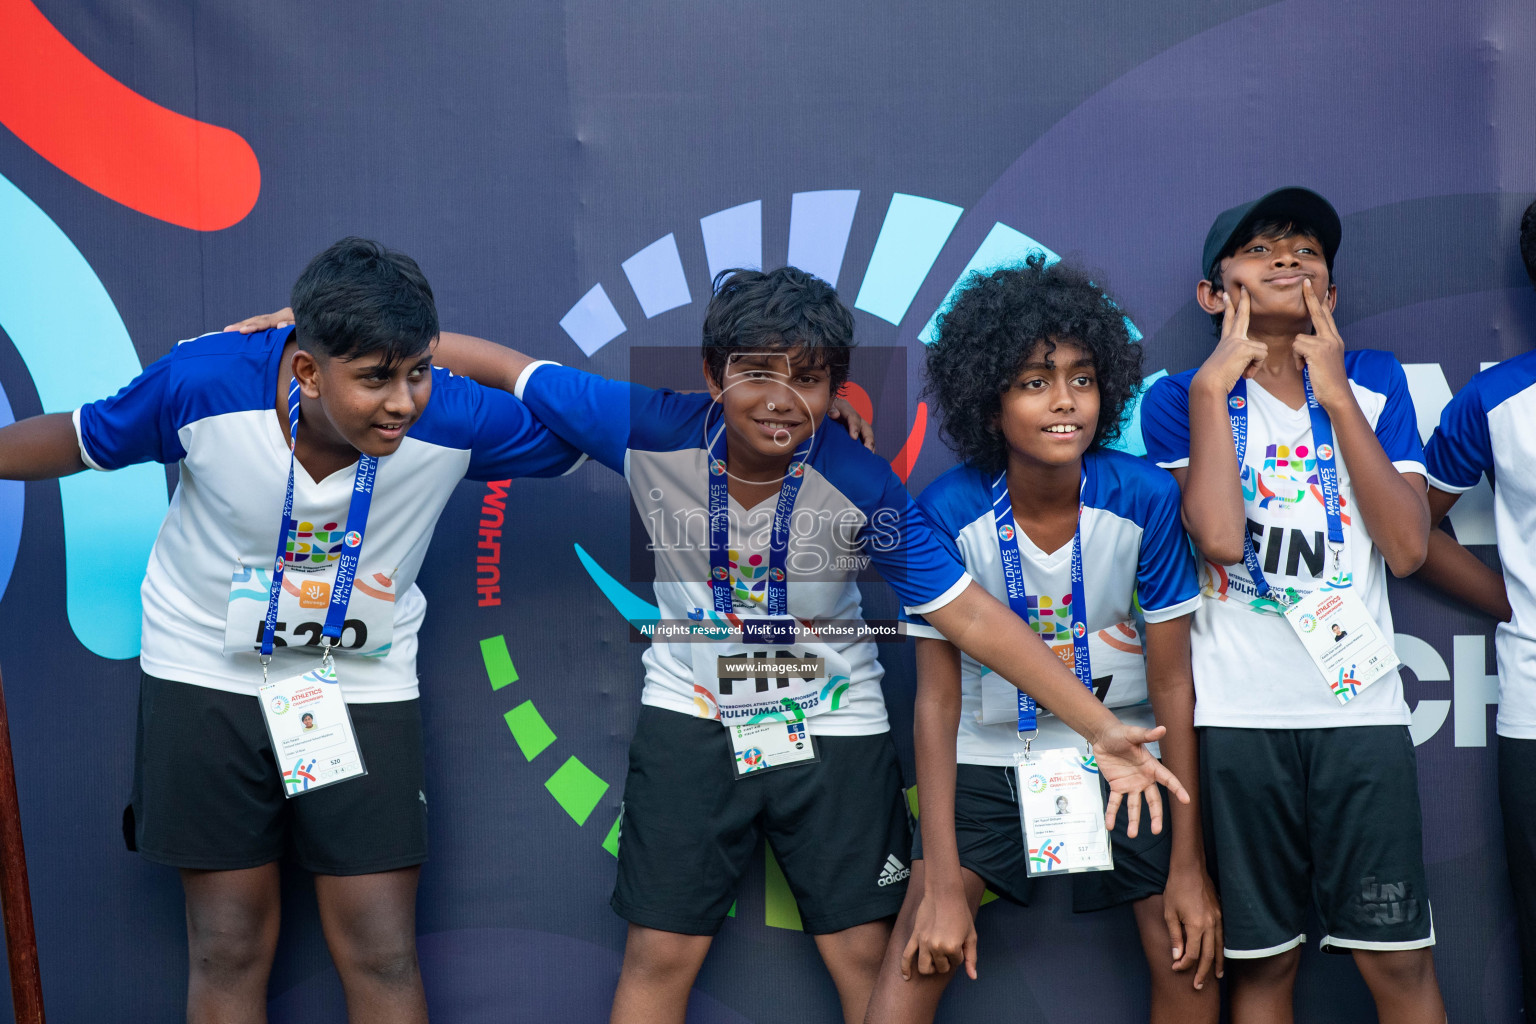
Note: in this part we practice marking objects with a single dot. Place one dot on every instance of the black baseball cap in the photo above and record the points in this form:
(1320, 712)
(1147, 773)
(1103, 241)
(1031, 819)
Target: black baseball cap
(1233, 227)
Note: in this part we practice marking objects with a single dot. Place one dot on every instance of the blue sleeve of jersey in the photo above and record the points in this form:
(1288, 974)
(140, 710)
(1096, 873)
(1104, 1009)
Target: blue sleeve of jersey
(1165, 423)
(602, 417)
(1398, 425)
(138, 424)
(944, 535)
(508, 442)
(910, 554)
(1165, 574)
(1460, 451)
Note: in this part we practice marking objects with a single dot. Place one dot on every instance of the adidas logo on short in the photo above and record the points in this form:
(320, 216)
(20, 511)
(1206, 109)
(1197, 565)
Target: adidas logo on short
(894, 871)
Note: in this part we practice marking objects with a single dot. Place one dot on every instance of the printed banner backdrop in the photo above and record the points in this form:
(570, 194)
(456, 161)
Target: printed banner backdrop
(569, 177)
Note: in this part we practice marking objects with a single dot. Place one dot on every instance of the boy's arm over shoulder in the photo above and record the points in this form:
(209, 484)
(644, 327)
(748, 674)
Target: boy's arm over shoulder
(138, 424)
(1165, 421)
(1167, 585)
(605, 418)
(40, 448)
(505, 440)
(935, 506)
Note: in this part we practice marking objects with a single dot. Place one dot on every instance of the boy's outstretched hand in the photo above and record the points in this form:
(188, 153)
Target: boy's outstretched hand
(1321, 353)
(264, 322)
(1130, 771)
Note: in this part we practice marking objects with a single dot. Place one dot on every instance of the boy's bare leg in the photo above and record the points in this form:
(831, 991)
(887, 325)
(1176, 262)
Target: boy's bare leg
(1262, 989)
(232, 919)
(853, 957)
(1402, 981)
(1175, 1000)
(370, 926)
(916, 1000)
(658, 973)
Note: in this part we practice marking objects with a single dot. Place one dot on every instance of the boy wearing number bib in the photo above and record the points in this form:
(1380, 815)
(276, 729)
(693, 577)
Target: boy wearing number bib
(1032, 369)
(278, 707)
(767, 720)
(1486, 430)
(1303, 481)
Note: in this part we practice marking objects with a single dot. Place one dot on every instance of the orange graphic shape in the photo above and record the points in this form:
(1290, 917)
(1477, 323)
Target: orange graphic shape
(907, 457)
(314, 594)
(109, 138)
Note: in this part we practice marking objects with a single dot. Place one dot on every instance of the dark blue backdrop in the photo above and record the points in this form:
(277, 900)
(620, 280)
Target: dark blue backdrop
(524, 154)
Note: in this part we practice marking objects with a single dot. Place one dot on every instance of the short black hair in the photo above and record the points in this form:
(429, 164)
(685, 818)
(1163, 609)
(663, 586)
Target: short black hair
(753, 310)
(1276, 229)
(998, 318)
(358, 298)
(1528, 241)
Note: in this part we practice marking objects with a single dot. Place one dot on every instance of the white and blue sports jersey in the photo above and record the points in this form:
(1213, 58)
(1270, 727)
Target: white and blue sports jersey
(1251, 670)
(1137, 564)
(210, 406)
(1488, 428)
(851, 506)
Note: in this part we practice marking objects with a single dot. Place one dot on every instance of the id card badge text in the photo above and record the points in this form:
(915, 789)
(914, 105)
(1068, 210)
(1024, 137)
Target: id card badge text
(311, 729)
(765, 746)
(1061, 809)
(1343, 641)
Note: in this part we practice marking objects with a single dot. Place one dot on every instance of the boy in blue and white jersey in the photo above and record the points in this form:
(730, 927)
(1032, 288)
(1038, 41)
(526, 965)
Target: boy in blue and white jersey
(345, 404)
(1486, 429)
(1308, 782)
(727, 483)
(1032, 368)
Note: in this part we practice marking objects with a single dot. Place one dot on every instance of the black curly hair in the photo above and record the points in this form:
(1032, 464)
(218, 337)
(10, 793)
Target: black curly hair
(992, 327)
(779, 309)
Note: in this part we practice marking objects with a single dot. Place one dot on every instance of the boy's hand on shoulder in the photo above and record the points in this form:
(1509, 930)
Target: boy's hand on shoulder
(1322, 354)
(264, 322)
(943, 937)
(1236, 355)
(1193, 915)
(1131, 771)
(860, 429)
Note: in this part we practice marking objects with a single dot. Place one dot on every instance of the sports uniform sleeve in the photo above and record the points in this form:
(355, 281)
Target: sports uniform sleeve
(138, 424)
(506, 441)
(1397, 428)
(944, 535)
(910, 553)
(1166, 584)
(603, 418)
(1165, 423)
(1460, 450)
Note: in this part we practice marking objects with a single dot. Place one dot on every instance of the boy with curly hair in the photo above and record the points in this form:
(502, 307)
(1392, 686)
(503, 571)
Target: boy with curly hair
(1302, 473)
(1032, 369)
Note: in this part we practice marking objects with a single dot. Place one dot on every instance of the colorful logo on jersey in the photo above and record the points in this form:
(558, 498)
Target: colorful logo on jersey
(278, 704)
(1005, 531)
(717, 467)
(1036, 784)
(1046, 856)
(1051, 619)
(353, 539)
(750, 584)
(301, 775)
(1346, 686)
(1307, 623)
(311, 547)
(1325, 451)
(314, 594)
(1237, 401)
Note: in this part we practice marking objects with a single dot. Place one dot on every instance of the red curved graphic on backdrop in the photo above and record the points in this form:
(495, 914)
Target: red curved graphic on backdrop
(108, 137)
(907, 457)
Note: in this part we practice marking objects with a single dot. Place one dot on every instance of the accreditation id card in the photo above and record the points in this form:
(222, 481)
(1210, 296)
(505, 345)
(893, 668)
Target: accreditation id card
(764, 746)
(1343, 641)
(1062, 811)
(311, 730)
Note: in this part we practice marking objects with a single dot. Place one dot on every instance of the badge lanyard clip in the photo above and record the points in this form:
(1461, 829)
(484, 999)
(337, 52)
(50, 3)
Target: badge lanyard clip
(352, 544)
(1018, 595)
(1327, 476)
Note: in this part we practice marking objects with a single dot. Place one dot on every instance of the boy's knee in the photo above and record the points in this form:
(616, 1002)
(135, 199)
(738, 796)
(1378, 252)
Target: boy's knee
(663, 956)
(1398, 968)
(229, 949)
(390, 964)
(1279, 969)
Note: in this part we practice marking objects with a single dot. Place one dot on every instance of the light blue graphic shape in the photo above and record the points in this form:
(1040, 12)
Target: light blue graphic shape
(1130, 439)
(656, 275)
(734, 238)
(592, 322)
(634, 608)
(13, 503)
(77, 350)
(1003, 247)
(819, 223)
(914, 231)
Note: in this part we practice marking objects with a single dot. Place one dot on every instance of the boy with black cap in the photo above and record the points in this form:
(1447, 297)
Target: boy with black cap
(1309, 781)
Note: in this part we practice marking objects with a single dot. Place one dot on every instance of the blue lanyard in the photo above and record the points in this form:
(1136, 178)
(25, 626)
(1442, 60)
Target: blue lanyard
(1018, 596)
(1327, 474)
(352, 544)
(720, 523)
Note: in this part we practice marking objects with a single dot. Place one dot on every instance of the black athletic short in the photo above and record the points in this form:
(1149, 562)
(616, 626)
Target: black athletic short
(839, 828)
(207, 794)
(1324, 815)
(991, 840)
